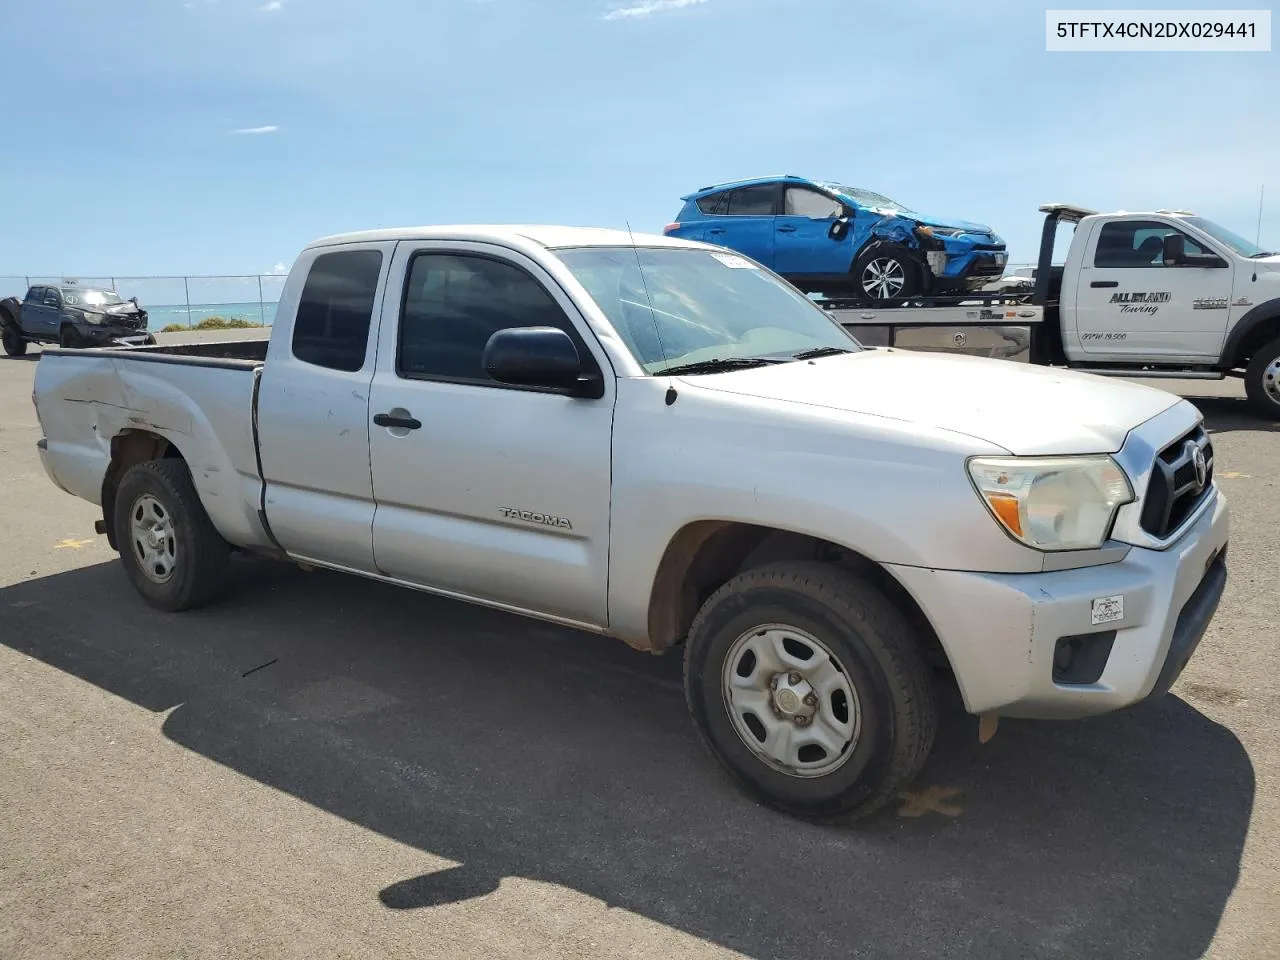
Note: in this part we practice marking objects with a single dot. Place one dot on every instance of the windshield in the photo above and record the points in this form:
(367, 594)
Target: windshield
(1240, 245)
(868, 198)
(706, 305)
(82, 296)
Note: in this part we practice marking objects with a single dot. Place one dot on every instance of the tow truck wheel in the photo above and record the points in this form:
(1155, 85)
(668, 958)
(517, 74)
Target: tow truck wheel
(171, 551)
(886, 274)
(807, 684)
(14, 344)
(1262, 380)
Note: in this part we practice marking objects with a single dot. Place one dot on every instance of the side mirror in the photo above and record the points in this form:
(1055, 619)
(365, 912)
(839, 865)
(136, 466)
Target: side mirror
(1175, 248)
(840, 227)
(537, 357)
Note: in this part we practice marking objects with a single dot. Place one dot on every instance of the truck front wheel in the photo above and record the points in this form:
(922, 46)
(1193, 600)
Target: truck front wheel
(886, 274)
(807, 684)
(171, 551)
(15, 345)
(1262, 380)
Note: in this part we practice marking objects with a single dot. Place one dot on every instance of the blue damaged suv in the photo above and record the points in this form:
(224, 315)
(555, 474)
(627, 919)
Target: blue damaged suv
(842, 241)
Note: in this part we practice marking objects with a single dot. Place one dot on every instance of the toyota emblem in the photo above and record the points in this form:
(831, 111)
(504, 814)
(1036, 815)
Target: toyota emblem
(1198, 462)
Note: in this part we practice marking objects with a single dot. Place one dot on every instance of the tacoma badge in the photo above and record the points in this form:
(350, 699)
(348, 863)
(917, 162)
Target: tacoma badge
(533, 516)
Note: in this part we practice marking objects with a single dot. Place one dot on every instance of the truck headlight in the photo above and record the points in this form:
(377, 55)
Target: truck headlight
(1053, 503)
(90, 317)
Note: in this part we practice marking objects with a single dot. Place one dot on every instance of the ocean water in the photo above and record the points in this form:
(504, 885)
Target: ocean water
(162, 315)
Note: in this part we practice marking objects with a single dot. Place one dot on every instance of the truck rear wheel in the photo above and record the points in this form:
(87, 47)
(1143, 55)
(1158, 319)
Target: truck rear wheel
(807, 684)
(1262, 380)
(15, 345)
(170, 549)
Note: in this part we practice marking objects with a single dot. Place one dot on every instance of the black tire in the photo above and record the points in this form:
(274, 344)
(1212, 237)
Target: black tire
(15, 345)
(891, 264)
(876, 648)
(1262, 380)
(201, 558)
(68, 339)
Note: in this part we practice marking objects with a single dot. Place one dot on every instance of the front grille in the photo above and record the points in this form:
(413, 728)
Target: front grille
(1177, 486)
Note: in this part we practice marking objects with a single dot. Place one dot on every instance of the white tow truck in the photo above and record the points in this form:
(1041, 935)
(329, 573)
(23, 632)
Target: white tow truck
(1163, 294)
(660, 441)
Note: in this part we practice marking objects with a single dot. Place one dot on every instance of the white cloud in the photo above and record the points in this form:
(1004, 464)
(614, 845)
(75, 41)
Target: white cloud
(279, 268)
(646, 8)
(271, 6)
(256, 130)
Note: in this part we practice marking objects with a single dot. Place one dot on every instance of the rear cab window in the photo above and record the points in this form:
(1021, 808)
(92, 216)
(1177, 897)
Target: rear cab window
(331, 328)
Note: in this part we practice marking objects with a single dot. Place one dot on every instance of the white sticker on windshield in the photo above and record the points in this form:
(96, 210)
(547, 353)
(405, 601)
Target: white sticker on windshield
(737, 263)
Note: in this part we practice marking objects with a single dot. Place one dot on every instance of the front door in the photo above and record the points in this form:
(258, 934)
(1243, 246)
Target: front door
(484, 490)
(803, 243)
(1128, 303)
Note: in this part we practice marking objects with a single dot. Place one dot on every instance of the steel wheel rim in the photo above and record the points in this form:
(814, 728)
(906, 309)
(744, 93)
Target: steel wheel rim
(790, 701)
(1271, 381)
(884, 278)
(153, 539)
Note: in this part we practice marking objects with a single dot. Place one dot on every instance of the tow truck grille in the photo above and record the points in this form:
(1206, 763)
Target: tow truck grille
(1181, 479)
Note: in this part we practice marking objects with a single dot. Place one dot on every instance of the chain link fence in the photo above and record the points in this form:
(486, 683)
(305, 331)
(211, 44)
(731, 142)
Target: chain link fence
(211, 302)
(179, 303)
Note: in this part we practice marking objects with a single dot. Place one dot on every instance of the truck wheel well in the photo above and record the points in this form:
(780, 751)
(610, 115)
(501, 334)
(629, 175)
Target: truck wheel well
(130, 447)
(1258, 337)
(706, 554)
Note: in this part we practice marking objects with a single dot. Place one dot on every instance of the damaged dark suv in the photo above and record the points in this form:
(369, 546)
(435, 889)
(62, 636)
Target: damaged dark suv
(71, 316)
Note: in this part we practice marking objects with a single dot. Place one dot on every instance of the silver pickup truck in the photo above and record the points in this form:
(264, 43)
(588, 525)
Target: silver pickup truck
(662, 441)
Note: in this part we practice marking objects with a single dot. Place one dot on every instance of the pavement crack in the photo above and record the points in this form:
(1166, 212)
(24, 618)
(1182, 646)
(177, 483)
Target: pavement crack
(261, 666)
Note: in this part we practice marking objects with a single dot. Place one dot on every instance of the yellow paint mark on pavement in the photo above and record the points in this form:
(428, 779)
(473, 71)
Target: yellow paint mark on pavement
(71, 544)
(916, 803)
(1232, 475)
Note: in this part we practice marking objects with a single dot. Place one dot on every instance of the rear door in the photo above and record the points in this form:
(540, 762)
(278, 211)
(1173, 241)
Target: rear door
(313, 406)
(491, 492)
(748, 222)
(803, 244)
(1130, 305)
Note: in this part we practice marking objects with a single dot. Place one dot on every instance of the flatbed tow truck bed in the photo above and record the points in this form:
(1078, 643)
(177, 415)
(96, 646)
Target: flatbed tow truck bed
(998, 325)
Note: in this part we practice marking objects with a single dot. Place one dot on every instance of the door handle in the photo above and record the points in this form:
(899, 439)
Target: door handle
(404, 423)
(786, 229)
(716, 230)
(1105, 283)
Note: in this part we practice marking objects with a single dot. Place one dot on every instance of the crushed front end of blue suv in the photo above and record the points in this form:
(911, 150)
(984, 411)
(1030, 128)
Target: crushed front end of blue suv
(842, 241)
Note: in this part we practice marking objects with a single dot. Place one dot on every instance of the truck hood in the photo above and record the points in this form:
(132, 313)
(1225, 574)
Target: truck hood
(1029, 411)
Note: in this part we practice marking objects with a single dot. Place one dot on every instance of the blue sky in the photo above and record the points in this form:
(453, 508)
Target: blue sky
(218, 136)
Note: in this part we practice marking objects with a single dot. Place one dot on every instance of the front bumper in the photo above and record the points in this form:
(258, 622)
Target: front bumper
(1005, 633)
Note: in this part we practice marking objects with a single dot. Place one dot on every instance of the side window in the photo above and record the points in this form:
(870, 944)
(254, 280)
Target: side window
(1136, 243)
(715, 204)
(35, 295)
(802, 202)
(332, 326)
(51, 298)
(757, 201)
(454, 302)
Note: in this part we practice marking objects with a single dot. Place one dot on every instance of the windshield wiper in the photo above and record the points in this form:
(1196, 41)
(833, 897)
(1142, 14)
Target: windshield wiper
(1262, 253)
(817, 352)
(720, 365)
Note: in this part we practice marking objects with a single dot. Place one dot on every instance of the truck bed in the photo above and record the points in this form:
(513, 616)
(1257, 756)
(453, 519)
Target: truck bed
(199, 398)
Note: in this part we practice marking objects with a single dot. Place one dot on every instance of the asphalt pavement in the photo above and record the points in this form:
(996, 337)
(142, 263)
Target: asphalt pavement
(322, 767)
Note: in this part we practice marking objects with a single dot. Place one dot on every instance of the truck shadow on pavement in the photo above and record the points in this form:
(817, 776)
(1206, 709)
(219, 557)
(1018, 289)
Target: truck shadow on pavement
(1231, 414)
(523, 750)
